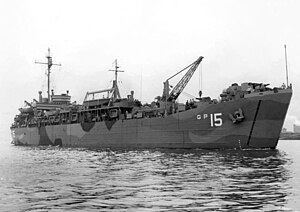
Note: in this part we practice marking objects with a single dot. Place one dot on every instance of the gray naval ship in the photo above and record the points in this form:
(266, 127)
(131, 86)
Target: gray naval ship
(247, 116)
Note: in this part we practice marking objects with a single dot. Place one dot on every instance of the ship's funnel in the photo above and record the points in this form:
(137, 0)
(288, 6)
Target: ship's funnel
(40, 97)
(166, 91)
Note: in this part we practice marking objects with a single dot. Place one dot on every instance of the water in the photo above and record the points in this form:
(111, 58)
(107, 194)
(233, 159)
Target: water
(60, 179)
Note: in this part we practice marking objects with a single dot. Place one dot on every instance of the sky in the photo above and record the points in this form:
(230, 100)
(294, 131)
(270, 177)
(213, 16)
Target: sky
(241, 41)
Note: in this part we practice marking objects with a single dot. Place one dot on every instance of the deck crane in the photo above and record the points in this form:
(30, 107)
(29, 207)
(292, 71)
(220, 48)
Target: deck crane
(181, 84)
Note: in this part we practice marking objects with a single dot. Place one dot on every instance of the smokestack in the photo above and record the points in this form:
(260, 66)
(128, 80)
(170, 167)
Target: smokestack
(132, 97)
(40, 97)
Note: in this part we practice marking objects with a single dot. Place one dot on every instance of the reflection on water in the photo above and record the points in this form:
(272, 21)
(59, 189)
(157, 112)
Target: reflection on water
(57, 179)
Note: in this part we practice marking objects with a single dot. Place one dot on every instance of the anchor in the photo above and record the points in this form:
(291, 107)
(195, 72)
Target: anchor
(237, 116)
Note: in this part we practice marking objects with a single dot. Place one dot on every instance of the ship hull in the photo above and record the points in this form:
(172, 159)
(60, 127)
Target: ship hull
(208, 126)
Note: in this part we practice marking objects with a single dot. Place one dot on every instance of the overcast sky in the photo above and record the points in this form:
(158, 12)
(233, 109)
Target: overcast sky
(241, 41)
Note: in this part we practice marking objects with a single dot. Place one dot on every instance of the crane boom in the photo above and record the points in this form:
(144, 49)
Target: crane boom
(182, 83)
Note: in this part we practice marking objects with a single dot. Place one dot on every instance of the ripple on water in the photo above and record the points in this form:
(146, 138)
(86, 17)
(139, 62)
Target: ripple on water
(58, 179)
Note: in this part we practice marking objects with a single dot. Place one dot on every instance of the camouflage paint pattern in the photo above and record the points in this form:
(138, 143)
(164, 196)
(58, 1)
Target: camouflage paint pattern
(208, 126)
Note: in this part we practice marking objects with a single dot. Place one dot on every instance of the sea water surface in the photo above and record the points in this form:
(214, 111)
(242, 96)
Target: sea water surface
(63, 179)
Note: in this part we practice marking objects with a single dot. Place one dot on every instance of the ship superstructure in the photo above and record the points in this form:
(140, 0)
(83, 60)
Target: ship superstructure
(241, 118)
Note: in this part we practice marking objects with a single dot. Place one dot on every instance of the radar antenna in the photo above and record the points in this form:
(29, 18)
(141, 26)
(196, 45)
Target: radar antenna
(49, 63)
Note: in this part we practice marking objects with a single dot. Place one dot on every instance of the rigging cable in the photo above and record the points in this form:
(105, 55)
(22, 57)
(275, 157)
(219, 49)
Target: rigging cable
(201, 76)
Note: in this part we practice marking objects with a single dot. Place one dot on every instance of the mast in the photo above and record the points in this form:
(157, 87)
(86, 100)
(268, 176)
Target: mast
(286, 67)
(116, 93)
(49, 64)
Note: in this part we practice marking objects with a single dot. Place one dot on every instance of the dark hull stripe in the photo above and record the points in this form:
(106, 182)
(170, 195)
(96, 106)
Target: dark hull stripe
(257, 109)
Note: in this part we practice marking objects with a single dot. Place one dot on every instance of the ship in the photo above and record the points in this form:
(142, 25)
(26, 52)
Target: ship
(245, 116)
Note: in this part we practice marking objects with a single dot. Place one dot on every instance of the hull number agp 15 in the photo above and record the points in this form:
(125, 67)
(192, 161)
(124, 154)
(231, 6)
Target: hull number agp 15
(215, 119)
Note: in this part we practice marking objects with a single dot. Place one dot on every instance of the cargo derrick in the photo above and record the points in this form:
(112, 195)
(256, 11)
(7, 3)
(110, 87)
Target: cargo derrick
(167, 100)
(111, 106)
(182, 83)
